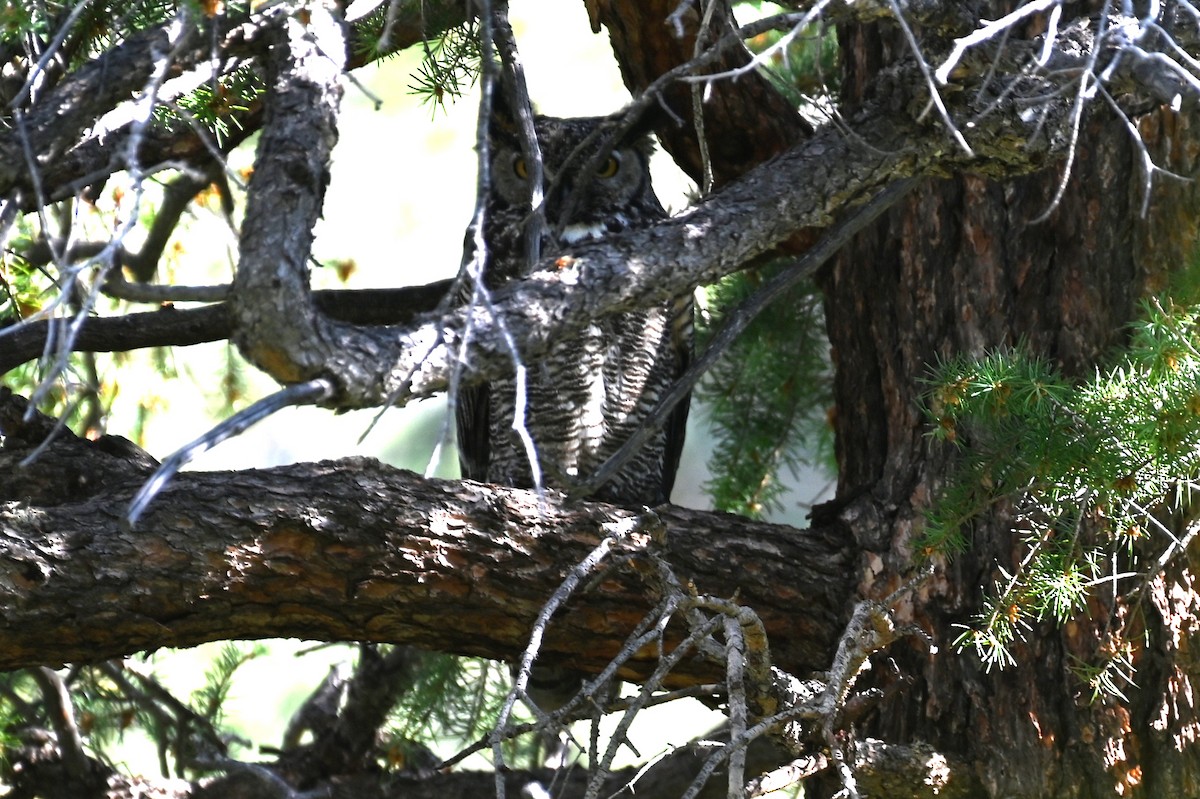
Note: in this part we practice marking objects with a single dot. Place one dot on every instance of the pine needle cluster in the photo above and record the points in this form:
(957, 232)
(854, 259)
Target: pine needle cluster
(450, 697)
(112, 700)
(215, 104)
(1095, 474)
(22, 285)
(209, 700)
(100, 25)
(766, 397)
(450, 67)
(75, 36)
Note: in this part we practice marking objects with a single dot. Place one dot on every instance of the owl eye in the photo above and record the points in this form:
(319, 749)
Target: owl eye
(609, 167)
(520, 168)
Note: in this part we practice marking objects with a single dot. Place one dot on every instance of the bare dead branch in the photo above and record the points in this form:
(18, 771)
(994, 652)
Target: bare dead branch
(307, 393)
(990, 29)
(62, 717)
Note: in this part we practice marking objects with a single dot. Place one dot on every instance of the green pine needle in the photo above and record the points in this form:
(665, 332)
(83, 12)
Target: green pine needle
(767, 397)
(1086, 470)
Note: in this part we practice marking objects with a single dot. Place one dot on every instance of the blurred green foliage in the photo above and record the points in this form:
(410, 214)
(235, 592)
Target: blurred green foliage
(768, 396)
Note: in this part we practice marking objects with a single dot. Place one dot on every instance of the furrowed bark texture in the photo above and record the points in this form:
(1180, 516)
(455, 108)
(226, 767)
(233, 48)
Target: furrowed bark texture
(355, 550)
(964, 266)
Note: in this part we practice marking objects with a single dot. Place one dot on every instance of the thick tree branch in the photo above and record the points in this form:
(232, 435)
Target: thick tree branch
(181, 327)
(277, 327)
(56, 121)
(806, 187)
(355, 550)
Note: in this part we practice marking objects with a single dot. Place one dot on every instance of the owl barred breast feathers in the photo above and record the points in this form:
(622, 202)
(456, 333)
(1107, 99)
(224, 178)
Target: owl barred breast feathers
(593, 389)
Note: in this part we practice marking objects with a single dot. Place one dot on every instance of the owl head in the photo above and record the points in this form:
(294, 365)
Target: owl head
(614, 195)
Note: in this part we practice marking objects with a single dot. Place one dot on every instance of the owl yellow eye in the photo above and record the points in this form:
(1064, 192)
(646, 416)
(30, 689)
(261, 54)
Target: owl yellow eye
(609, 167)
(521, 169)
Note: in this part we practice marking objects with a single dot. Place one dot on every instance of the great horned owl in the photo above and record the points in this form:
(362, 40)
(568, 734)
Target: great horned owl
(591, 391)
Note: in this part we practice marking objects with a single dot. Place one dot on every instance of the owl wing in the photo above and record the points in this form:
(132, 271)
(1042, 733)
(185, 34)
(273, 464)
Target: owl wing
(473, 426)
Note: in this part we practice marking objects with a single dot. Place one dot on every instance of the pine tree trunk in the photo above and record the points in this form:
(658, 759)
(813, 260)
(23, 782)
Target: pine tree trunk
(964, 266)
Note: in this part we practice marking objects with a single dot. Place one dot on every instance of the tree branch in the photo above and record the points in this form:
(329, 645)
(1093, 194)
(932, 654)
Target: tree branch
(276, 325)
(355, 550)
(808, 186)
(181, 327)
(747, 121)
(72, 151)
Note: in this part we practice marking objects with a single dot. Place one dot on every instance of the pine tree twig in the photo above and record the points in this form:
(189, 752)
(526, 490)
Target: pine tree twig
(649, 632)
(117, 287)
(786, 775)
(155, 699)
(664, 667)
(697, 94)
(498, 35)
(935, 94)
(735, 660)
(471, 281)
(592, 696)
(796, 21)
(751, 682)
(162, 55)
(653, 95)
(988, 30)
(183, 327)
(621, 534)
(517, 96)
(516, 730)
(806, 705)
(871, 629)
(628, 535)
(143, 263)
(266, 783)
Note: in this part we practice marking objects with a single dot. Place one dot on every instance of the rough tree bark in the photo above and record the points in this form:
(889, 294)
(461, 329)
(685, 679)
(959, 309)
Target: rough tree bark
(355, 551)
(967, 265)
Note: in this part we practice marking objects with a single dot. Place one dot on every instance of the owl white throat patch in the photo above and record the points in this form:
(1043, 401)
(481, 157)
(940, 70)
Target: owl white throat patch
(583, 231)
